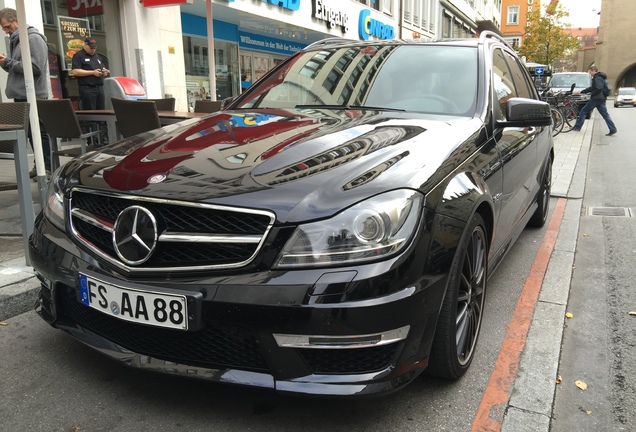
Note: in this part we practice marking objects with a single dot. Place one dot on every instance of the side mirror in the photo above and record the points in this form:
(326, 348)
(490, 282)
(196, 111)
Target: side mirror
(522, 112)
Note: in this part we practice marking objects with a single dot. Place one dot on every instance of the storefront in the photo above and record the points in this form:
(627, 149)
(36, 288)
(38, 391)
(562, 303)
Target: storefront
(240, 57)
(251, 37)
(164, 44)
(66, 25)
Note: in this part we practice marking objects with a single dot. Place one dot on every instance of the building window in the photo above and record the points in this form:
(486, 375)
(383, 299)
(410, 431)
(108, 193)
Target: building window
(385, 6)
(446, 26)
(420, 13)
(513, 15)
(514, 42)
(48, 12)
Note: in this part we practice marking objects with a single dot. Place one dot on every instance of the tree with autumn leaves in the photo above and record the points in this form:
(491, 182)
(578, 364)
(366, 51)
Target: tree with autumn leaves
(545, 39)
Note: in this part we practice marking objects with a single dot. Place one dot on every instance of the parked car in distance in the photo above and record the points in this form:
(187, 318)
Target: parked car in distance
(625, 96)
(562, 81)
(330, 232)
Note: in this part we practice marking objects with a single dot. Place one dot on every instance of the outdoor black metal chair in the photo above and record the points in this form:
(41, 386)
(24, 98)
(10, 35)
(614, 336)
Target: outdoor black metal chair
(60, 121)
(165, 104)
(206, 106)
(15, 113)
(135, 116)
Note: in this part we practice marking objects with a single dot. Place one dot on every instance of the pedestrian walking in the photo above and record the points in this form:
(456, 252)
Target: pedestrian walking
(16, 87)
(597, 100)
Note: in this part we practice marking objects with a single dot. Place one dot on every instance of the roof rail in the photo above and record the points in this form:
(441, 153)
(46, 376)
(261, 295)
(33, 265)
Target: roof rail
(329, 41)
(488, 34)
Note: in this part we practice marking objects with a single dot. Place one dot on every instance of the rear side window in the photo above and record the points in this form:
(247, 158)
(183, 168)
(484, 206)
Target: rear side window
(503, 83)
(518, 76)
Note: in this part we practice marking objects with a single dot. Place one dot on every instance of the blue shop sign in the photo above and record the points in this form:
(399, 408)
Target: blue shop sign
(292, 5)
(264, 43)
(368, 26)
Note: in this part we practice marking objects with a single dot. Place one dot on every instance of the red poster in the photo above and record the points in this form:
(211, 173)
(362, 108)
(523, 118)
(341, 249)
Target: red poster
(83, 8)
(54, 72)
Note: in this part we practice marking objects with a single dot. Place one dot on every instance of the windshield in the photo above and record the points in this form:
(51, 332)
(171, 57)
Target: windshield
(566, 80)
(627, 91)
(421, 78)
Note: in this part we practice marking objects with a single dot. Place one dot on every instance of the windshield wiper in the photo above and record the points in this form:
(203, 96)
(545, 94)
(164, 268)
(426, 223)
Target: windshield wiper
(350, 107)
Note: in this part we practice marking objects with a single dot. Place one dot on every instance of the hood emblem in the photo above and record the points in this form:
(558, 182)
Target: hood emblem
(157, 178)
(135, 235)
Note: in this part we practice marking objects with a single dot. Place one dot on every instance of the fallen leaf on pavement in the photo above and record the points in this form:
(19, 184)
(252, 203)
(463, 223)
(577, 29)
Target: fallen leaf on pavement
(586, 235)
(559, 379)
(2, 323)
(580, 384)
(568, 315)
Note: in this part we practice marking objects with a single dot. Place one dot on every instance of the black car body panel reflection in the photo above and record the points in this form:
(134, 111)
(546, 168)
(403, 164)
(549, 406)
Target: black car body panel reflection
(297, 240)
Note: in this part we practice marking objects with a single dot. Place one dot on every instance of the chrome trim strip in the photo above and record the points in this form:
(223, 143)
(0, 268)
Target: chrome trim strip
(94, 220)
(342, 342)
(174, 202)
(207, 238)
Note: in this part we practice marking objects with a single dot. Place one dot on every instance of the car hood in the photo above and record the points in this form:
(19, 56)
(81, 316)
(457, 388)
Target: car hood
(301, 164)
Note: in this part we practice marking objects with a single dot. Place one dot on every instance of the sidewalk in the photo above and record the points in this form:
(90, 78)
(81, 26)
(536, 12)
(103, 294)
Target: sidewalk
(530, 405)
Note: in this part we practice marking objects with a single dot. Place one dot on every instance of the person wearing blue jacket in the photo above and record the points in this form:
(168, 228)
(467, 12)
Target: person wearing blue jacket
(16, 87)
(597, 100)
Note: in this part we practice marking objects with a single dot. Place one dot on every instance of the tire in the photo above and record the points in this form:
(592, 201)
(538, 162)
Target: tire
(540, 216)
(461, 313)
(557, 121)
(570, 116)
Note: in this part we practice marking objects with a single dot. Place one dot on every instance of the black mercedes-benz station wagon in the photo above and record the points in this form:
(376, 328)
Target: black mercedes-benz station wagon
(330, 232)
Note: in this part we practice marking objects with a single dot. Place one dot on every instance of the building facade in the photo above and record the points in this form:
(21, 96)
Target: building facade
(213, 49)
(615, 48)
(514, 19)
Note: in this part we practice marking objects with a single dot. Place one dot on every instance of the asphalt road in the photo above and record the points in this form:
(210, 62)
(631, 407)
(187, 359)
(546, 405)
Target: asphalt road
(51, 382)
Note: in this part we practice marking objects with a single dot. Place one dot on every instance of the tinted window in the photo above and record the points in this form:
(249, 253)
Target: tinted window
(518, 76)
(503, 83)
(421, 78)
(567, 79)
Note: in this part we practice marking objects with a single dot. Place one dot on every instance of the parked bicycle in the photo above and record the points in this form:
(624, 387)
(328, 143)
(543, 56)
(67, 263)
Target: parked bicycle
(564, 110)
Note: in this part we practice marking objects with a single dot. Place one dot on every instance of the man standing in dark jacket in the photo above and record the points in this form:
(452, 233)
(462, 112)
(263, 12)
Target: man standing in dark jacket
(16, 87)
(597, 100)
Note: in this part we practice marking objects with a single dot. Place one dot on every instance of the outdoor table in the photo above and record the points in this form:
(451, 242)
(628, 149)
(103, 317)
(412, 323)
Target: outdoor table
(18, 136)
(108, 116)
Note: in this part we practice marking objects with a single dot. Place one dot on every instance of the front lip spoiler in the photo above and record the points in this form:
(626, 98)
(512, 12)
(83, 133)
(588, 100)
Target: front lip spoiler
(317, 385)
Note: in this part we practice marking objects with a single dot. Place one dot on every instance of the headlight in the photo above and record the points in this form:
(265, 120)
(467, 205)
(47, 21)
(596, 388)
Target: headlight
(54, 210)
(372, 229)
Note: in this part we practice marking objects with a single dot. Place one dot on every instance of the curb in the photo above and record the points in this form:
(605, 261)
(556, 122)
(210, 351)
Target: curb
(18, 298)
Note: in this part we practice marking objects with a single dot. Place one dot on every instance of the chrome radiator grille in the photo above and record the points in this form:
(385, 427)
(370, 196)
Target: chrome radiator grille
(178, 235)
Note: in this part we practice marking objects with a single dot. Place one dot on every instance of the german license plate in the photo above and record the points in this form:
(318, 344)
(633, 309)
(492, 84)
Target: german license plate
(135, 305)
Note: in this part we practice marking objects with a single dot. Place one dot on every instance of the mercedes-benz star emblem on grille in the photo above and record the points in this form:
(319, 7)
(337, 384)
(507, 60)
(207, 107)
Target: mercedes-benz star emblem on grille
(135, 235)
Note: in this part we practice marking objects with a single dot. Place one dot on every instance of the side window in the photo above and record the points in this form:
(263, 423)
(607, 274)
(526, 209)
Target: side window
(518, 76)
(503, 83)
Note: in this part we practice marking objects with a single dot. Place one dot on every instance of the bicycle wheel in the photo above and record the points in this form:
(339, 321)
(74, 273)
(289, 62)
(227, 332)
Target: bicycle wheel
(570, 115)
(557, 121)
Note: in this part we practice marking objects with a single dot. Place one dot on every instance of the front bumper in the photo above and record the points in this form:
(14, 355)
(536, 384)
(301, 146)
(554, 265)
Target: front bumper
(241, 314)
(621, 102)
